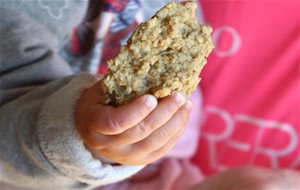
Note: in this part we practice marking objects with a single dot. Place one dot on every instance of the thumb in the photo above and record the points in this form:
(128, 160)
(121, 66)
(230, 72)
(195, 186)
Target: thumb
(110, 120)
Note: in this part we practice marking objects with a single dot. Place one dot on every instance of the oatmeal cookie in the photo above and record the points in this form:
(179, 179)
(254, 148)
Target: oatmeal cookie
(164, 54)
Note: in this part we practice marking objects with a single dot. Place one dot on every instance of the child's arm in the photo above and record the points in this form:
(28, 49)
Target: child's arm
(40, 146)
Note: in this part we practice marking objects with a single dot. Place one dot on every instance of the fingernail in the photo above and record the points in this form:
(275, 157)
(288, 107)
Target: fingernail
(150, 101)
(189, 105)
(179, 97)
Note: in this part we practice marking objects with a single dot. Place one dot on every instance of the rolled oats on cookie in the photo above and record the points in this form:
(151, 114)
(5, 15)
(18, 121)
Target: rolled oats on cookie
(164, 54)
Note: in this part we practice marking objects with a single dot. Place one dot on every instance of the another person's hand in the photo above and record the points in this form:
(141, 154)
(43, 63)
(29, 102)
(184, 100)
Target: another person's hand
(137, 133)
(248, 178)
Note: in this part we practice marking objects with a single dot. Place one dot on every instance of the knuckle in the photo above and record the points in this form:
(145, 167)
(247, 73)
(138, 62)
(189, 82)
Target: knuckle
(183, 115)
(112, 124)
(157, 141)
(144, 128)
(162, 136)
(171, 108)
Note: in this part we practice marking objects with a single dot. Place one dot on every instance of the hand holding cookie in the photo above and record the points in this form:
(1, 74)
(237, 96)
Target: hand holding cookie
(137, 133)
(163, 56)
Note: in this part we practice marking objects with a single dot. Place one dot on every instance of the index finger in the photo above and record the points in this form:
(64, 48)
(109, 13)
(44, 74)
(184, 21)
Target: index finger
(109, 120)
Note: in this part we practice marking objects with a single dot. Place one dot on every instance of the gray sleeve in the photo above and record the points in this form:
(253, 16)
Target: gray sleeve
(51, 14)
(40, 147)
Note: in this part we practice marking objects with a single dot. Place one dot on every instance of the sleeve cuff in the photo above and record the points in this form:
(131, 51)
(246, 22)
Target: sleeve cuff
(61, 143)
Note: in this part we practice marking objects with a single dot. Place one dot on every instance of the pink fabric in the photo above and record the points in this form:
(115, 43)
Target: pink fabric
(251, 86)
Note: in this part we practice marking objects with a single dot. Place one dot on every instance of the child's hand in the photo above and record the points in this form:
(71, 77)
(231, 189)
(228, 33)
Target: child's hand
(137, 133)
